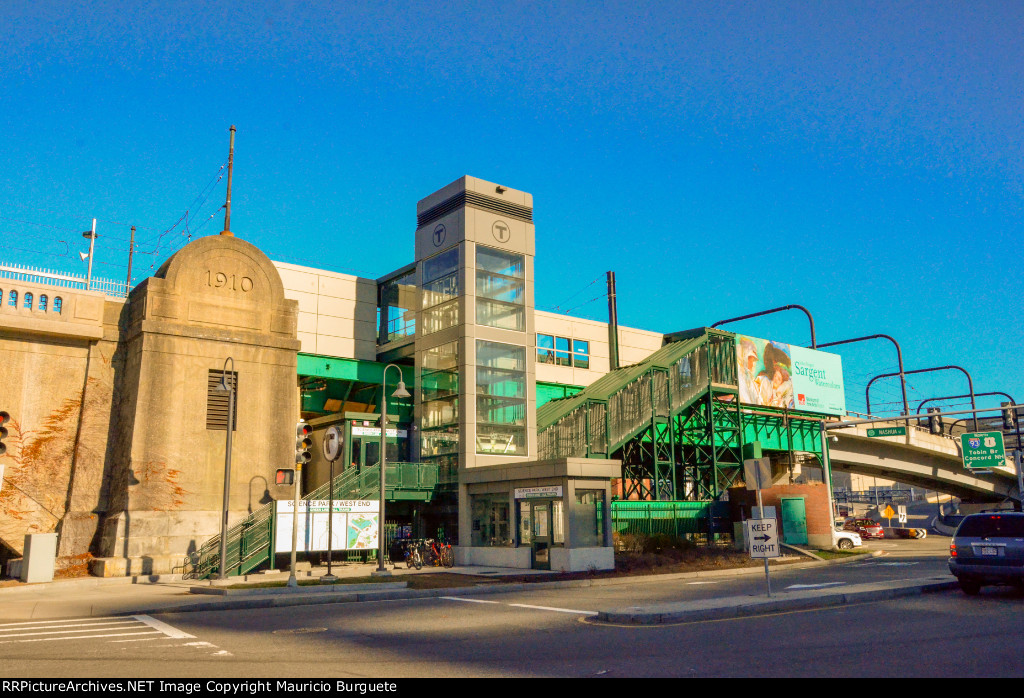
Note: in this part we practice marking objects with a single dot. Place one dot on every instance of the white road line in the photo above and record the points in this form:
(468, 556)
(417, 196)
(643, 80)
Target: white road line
(79, 626)
(695, 583)
(167, 630)
(549, 608)
(814, 586)
(145, 639)
(78, 637)
(460, 598)
(63, 620)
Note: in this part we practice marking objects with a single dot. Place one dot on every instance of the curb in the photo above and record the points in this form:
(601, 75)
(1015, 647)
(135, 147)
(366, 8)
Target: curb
(308, 598)
(310, 589)
(737, 607)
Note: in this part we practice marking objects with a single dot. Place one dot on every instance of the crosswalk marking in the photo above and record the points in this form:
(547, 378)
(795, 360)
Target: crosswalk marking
(88, 629)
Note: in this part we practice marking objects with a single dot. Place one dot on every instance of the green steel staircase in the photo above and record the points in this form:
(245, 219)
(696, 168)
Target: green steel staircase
(250, 540)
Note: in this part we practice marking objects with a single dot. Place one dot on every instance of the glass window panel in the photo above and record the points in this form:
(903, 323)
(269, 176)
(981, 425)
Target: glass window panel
(438, 413)
(557, 524)
(525, 523)
(441, 317)
(562, 353)
(499, 288)
(499, 262)
(441, 265)
(581, 353)
(13, 299)
(443, 357)
(500, 315)
(500, 382)
(395, 308)
(504, 440)
(588, 518)
(42, 302)
(28, 301)
(500, 410)
(435, 442)
(500, 355)
(491, 523)
(545, 347)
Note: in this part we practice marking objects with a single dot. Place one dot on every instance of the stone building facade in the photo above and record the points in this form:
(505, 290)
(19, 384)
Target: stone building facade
(118, 436)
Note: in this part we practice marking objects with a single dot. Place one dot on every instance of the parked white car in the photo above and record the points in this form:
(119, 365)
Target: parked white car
(845, 540)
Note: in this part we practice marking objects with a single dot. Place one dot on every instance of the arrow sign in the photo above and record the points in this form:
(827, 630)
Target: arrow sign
(762, 538)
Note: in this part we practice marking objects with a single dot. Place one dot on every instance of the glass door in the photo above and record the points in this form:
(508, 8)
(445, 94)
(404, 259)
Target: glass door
(541, 517)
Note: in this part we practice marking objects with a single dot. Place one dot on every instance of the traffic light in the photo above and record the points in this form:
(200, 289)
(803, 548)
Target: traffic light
(303, 442)
(285, 476)
(4, 418)
(1008, 417)
(935, 421)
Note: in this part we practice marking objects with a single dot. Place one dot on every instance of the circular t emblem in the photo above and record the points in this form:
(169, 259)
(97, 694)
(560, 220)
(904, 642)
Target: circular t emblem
(439, 235)
(501, 231)
(332, 443)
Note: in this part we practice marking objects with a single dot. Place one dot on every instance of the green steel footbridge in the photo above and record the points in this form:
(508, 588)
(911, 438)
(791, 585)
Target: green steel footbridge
(676, 423)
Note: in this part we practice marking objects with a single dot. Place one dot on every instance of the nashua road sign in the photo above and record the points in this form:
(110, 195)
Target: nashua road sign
(763, 538)
(887, 431)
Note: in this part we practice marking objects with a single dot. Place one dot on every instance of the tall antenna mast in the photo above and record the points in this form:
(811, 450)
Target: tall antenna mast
(227, 204)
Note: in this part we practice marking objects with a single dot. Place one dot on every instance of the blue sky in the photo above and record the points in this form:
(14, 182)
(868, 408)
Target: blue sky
(862, 159)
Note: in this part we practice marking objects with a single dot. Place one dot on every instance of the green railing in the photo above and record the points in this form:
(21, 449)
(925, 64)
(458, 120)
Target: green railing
(603, 424)
(676, 518)
(249, 541)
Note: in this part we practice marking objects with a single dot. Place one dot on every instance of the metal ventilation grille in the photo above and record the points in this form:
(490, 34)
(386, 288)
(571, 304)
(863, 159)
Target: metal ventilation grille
(468, 198)
(217, 401)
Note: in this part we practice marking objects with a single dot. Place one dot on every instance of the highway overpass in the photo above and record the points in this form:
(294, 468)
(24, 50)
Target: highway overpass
(921, 459)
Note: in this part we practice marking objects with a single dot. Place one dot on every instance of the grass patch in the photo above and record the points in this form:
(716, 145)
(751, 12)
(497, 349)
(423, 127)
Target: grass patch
(839, 554)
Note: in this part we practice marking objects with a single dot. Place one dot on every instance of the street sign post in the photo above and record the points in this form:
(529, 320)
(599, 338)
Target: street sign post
(888, 513)
(332, 445)
(983, 450)
(757, 473)
(901, 513)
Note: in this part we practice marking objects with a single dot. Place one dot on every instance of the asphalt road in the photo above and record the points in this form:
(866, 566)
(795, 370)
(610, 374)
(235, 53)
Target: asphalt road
(553, 633)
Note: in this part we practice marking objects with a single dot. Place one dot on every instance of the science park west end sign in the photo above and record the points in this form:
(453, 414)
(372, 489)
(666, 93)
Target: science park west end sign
(785, 376)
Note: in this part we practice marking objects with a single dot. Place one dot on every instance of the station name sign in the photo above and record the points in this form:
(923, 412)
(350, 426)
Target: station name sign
(538, 492)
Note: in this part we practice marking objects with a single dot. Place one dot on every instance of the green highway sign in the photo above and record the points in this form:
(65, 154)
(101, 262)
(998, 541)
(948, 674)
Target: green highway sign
(887, 431)
(983, 450)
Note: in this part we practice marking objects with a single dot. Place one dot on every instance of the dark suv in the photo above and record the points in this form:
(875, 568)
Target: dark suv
(988, 549)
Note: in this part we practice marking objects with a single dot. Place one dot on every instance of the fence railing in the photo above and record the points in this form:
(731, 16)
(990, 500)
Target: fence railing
(676, 518)
(50, 277)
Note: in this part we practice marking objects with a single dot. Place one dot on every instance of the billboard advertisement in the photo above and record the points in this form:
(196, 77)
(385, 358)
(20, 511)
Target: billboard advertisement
(773, 374)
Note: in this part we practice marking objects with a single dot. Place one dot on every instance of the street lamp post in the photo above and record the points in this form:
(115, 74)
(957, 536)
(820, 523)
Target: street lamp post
(401, 392)
(224, 387)
(814, 339)
(970, 385)
(899, 360)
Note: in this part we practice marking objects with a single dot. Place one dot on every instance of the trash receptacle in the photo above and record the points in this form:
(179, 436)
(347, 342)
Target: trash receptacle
(40, 555)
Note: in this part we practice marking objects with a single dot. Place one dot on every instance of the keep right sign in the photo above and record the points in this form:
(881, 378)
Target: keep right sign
(763, 538)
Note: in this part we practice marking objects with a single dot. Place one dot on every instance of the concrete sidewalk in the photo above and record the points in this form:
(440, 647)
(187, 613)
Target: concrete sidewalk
(98, 597)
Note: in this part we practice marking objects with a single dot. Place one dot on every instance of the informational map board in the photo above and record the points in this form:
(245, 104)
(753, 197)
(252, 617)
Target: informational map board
(355, 525)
